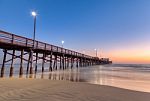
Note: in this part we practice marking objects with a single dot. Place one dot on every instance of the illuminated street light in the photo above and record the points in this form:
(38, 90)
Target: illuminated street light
(33, 13)
(96, 51)
(62, 43)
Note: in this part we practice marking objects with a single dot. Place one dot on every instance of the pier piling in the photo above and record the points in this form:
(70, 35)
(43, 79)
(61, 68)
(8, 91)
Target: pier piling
(3, 64)
(12, 62)
(21, 64)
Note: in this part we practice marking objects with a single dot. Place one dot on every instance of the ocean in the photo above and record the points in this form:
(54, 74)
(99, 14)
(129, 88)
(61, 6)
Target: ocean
(128, 76)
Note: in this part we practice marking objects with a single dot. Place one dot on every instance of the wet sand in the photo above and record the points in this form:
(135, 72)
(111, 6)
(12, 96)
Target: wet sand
(13, 89)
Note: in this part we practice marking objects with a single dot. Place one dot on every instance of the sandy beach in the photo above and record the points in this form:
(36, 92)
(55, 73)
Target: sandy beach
(52, 90)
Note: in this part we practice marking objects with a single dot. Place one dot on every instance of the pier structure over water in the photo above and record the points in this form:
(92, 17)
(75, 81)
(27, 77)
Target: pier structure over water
(35, 50)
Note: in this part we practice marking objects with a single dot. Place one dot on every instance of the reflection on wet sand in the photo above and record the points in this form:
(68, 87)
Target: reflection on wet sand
(70, 75)
(138, 81)
(127, 78)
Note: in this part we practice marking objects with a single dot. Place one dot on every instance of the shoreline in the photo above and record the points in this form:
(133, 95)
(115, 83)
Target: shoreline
(115, 80)
(21, 89)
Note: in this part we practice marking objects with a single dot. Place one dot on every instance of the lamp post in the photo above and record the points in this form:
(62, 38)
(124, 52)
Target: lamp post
(34, 15)
(31, 65)
(62, 43)
(96, 51)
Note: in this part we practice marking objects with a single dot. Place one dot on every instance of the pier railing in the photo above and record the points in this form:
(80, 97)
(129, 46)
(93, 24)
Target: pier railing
(12, 39)
(57, 57)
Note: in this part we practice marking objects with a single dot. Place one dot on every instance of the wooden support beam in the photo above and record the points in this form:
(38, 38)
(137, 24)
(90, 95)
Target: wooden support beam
(28, 64)
(83, 62)
(36, 64)
(43, 62)
(72, 60)
(77, 62)
(15, 56)
(51, 61)
(11, 67)
(60, 63)
(56, 61)
(31, 62)
(80, 62)
(21, 64)
(67, 62)
(3, 65)
(63, 62)
(54, 64)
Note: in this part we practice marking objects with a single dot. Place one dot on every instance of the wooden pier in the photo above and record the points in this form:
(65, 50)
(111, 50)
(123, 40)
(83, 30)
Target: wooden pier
(36, 50)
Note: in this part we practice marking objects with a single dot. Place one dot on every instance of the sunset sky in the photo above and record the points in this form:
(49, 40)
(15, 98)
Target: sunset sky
(119, 29)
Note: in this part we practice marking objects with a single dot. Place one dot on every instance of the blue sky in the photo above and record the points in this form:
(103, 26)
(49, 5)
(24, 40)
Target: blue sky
(108, 25)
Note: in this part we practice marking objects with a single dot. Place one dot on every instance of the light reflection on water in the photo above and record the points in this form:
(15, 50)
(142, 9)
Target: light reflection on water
(128, 77)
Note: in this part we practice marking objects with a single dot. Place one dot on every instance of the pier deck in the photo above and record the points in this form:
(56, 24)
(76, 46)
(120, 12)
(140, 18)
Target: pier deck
(50, 53)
